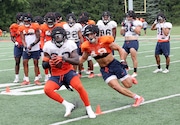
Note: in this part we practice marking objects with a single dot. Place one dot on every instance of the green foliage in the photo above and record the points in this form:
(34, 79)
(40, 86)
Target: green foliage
(9, 8)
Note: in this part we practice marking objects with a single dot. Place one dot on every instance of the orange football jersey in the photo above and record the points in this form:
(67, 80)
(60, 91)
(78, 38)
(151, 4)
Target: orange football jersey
(91, 22)
(15, 32)
(46, 32)
(99, 48)
(29, 30)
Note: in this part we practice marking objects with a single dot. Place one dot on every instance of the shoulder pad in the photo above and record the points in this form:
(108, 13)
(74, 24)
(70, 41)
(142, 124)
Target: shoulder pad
(35, 25)
(91, 22)
(85, 46)
(137, 23)
(167, 25)
(106, 39)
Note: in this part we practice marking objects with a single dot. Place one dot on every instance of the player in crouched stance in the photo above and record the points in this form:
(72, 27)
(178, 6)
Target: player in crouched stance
(112, 70)
(60, 55)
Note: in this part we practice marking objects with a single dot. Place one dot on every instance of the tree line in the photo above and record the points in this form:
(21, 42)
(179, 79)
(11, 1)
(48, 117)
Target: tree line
(9, 8)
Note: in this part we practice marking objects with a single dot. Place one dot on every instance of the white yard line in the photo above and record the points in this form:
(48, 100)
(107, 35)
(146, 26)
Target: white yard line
(116, 109)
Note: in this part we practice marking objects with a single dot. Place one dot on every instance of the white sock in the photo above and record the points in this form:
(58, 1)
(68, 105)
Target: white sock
(88, 108)
(26, 78)
(65, 102)
(36, 78)
(17, 76)
(136, 96)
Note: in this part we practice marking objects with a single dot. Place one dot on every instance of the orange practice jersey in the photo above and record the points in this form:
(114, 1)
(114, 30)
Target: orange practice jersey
(46, 32)
(29, 30)
(15, 32)
(0, 32)
(91, 22)
(99, 48)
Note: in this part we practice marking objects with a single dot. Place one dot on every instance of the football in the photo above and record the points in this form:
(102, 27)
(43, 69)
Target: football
(59, 65)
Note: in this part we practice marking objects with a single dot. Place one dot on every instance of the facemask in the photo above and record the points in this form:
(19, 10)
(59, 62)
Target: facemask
(21, 23)
(27, 25)
(50, 26)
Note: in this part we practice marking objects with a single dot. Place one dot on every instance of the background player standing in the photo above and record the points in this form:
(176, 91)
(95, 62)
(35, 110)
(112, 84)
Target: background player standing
(163, 44)
(131, 29)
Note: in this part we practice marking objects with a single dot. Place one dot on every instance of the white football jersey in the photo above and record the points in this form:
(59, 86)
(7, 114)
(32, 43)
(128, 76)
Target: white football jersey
(72, 32)
(65, 49)
(160, 34)
(29, 40)
(83, 29)
(128, 30)
(106, 29)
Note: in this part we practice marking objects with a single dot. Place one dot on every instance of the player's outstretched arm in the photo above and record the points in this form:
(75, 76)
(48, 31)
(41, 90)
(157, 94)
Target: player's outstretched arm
(73, 58)
(120, 50)
(83, 58)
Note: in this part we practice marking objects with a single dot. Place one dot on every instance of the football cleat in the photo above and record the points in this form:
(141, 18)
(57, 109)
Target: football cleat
(157, 70)
(134, 80)
(16, 80)
(99, 75)
(90, 112)
(138, 102)
(37, 82)
(91, 75)
(39, 76)
(165, 71)
(79, 75)
(46, 78)
(96, 65)
(69, 108)
(25, 82)
(88, 72)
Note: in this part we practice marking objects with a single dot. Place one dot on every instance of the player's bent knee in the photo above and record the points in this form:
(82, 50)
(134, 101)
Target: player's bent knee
(127, 85)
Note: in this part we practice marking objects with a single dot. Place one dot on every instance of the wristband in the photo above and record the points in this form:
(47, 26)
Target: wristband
(16, 43)
(122, 60)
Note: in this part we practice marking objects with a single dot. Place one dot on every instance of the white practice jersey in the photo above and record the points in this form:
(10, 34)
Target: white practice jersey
(160, 34)
(106, 29)
(29, 40)
(65, 49)
(72, 32)
(145, 24)
(128, 29)
(83, 29)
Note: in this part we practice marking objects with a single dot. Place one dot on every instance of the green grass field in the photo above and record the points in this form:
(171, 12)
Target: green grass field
(24, 106)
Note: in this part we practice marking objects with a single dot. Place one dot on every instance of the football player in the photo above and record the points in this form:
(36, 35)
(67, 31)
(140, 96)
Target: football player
(18, 45)
(107, 26)
(38, 19)
(60, 55)
(73, 30)
(113, 71)
(83, 20)
(30, 36)
(90, 21)
(131, 29)
(163, 45)
(46, 29)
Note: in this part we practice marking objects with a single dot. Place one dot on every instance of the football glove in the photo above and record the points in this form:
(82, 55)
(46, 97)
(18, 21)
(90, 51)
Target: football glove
(124, 64)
